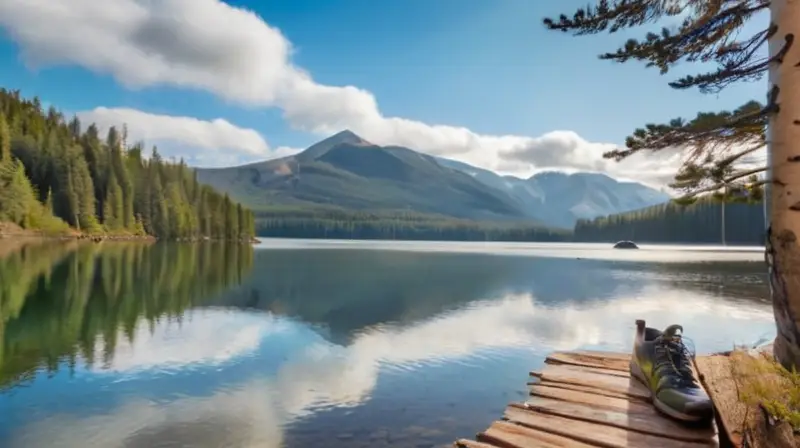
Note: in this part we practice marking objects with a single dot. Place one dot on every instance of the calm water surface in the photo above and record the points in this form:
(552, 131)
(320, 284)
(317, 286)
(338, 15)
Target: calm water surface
(328, 344)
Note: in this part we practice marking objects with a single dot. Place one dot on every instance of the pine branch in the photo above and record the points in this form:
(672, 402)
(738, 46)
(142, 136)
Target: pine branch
(715, 141)
(728, 181)
(708, 131)
(732, 158)
(614, 16)
(703, 36)
(707, 34)
(740, 68)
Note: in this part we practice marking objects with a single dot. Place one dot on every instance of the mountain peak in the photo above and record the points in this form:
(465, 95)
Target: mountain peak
(345, 133)
(346, 136)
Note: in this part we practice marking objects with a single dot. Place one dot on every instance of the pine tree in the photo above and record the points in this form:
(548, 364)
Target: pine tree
(49, 201)
(227, 217)
(177, 221)
(113, 209)
(15, 193)
(241, 219)
(138, 228)
(203, 211)
(718, 143)
(5, 140)
(68, 210)
(83, 189)
(75, 128)
(115, 142)
(159, 212)
(97, 160)
(250, 230)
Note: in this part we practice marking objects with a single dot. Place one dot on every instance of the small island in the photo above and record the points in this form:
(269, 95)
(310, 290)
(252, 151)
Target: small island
(625, 245)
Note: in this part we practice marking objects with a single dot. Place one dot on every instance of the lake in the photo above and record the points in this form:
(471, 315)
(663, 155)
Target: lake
(329, 343)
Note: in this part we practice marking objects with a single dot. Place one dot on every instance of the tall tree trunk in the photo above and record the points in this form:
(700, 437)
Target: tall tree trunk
(783, 140)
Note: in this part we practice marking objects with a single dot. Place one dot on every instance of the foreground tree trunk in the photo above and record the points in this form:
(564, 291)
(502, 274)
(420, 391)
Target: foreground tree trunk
(783, 139)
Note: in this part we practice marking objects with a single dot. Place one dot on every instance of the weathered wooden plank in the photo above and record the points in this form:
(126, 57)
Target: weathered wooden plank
(464, 443)
(588, 389)
(717, 379)
(599, 371)
(509, 435)
(590, 378)
(621, 413)
(601, 360)
(594, 433)
(603, 354)
(590, 397)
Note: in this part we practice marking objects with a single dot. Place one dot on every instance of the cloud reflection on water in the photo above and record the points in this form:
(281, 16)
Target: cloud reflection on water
(201, 336)
(325, 374)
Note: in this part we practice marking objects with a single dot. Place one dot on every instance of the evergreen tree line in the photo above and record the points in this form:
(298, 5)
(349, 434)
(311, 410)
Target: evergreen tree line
(400, 226)
(698, 223)
(59, 302)
(55, 175)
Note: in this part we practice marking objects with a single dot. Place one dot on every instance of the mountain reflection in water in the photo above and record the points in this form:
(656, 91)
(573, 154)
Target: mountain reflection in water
(215, 345)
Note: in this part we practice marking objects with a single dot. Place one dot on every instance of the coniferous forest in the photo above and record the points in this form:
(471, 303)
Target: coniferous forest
(699, 223)
(669, 223)
(342, 224)
(54, 174)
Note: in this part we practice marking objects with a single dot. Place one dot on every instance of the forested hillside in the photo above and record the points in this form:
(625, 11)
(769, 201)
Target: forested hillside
(55, 174)
(699, 223)
(347, 224)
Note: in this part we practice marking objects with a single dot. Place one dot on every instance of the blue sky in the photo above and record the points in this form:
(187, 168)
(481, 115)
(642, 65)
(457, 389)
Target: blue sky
(513, 97)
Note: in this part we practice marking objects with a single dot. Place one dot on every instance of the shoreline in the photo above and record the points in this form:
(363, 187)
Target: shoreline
(10, 231)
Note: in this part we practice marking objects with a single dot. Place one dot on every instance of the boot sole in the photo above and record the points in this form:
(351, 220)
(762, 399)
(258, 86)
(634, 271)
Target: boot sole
(636, 372)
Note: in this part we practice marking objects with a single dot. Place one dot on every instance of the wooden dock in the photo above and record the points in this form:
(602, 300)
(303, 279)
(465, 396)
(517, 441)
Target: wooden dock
(588, 399)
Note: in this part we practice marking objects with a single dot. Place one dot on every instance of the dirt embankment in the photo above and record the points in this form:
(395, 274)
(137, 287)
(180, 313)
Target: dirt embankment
(11, 230)
(756, 399)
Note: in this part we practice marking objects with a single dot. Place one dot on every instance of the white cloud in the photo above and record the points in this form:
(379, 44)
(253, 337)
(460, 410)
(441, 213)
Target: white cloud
(567, 149)
(233, 53)
(211, 142)
(212, 134)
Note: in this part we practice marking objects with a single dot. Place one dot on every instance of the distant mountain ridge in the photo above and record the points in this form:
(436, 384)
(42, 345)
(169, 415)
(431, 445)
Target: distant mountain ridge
(347, 171)
(561, 199)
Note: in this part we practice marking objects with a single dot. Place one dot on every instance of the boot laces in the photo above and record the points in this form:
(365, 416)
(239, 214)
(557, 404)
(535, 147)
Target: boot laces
(675, 357)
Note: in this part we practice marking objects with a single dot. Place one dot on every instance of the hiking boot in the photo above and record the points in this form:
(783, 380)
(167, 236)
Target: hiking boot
(663, 363)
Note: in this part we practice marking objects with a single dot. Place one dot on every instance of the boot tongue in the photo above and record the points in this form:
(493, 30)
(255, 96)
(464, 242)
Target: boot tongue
(672, 333)
(678, 353)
